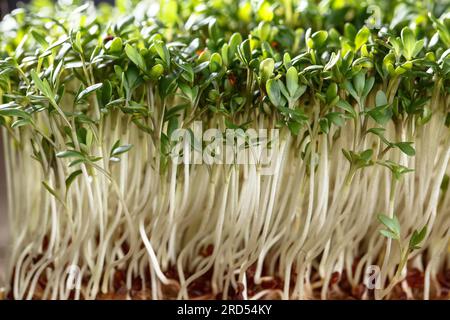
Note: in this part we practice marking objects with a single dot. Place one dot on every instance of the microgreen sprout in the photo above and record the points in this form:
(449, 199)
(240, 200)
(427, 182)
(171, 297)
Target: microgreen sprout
(393, 231)
(92, 102)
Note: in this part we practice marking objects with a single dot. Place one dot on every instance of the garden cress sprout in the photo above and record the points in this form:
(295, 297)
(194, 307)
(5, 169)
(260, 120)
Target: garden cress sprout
(91, 98)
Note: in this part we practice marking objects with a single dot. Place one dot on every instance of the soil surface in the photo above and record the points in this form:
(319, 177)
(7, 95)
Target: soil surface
(340, 288)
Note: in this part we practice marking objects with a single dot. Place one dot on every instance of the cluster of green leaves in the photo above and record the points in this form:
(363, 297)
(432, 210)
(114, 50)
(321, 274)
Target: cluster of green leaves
(318, 67)
(393, 231)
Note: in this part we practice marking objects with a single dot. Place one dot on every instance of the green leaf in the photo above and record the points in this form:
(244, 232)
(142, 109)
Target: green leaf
(380, 98)
(368, 86)
(318, 39)
(381, 114)
(186, 90)
(287, 60)
(324, 125)
(83, 94)
(70, 154)
(444, 32)
(39, 38)
(215, 62)
(397, 170)
(116, 45)
(298, 93)
(380, 133)
(406, 148)
(21, 123)
(119, 150)
(266, 68)
(417, 237)
(401, 69)
(294, 127)
(417, 47)
(245, 52)
(274, 92)
(106, 93)
(366, 155)
(361, 37)
(344, 105)
(71, 178)
(347, 155)
(265, 11)
(135, 57)
(12, 112)
(359, 82)
(349, 87)
(200, 67)
(332, 92)
(359, 160)
(42, 86)
(172, 126)
(292, 81)
(389, 234)
(335, 118)
(295, 114)
(163, 52)
(75, 39)
(391, 223)
(409, 42)
(349, 31)
(234, 42)
(57, 43)
(333, 60)
(156, 71)
(77, 161)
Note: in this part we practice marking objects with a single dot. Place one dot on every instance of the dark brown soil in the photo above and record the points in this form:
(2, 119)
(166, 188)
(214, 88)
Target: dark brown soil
(339, 288)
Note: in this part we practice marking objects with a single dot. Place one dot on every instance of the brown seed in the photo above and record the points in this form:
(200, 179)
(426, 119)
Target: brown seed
(415, 278)
(232, 78)
(140, 295)
(45, 243)
(269, 283)
(358, 291)
(43, 280)
(172, 273)
(169, 291)
(121, 294)
(444, 279)
(199, 287)
(398, 293)
(207, 251)
(250, 272)
(108, 38)
(335, 276)
(239, 291)
(119, 279)
(238, 296)
(125, 247)
(38, 292)
(344, 284)
(105, 296)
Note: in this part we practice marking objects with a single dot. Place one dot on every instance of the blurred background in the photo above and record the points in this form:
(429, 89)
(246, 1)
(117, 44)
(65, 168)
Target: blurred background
(8, 5)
